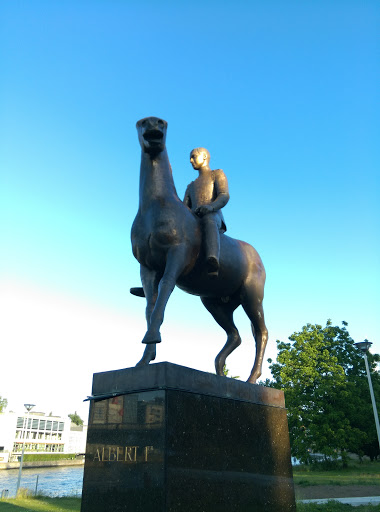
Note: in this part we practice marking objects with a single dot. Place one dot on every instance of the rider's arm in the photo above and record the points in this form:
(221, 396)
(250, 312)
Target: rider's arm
(187, 198)
(221, 188)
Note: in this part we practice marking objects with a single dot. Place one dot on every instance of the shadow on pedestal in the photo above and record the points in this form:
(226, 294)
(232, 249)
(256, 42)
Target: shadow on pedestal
(168, 438)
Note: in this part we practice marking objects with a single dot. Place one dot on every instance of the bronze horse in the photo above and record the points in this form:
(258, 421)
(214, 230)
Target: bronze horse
(167, 242)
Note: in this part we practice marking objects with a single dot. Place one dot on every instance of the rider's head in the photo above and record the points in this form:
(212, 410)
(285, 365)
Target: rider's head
(199, 157)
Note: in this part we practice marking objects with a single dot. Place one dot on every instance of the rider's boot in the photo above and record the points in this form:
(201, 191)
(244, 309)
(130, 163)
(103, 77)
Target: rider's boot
(212, 266)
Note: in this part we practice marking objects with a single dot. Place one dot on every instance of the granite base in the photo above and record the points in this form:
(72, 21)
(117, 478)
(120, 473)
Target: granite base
(165, 438)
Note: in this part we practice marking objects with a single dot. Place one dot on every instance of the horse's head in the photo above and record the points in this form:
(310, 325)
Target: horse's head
(152, 134)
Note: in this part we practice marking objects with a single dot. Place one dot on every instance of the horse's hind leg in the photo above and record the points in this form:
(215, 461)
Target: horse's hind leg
(223, 314)
(253, 305)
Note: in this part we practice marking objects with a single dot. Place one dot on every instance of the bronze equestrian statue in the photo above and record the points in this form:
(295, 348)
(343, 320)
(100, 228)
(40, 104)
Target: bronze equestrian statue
(167, 241)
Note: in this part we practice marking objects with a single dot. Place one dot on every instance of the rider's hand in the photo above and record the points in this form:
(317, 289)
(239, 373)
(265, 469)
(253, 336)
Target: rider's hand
(203, 210)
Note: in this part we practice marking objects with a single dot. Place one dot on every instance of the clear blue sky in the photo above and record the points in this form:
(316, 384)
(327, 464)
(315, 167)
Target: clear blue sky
(285, 97)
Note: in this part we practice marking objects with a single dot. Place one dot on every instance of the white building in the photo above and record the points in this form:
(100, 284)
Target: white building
(39, 433)
(76, 442)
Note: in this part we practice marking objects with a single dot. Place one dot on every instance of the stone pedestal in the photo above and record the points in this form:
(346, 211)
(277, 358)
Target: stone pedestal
(165, 438)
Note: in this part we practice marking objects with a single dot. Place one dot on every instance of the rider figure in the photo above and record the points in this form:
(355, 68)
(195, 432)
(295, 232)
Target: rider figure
(205, 196)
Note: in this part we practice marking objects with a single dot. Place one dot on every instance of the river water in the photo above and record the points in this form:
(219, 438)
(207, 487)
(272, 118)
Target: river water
(58, 481)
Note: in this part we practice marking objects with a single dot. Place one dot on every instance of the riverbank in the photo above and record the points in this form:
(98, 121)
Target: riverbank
(42, 464)
(57, 481)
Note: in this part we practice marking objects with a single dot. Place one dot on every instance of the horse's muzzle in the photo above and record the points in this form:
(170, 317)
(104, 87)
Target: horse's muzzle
(153, 136)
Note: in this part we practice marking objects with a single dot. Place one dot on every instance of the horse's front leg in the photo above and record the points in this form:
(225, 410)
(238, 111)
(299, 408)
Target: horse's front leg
(176, 261)
(149, 280)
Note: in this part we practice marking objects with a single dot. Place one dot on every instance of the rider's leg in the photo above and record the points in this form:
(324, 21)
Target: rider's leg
(211, 243)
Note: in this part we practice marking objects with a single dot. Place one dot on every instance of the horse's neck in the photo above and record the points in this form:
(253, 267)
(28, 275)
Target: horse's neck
(156, 179)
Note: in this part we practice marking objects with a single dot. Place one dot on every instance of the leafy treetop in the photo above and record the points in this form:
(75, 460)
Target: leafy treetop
(75, 418)
(326, 391)
(3, 403)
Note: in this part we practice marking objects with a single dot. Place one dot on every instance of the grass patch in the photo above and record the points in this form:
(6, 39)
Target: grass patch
(73, 505)
(355, 474)
(40, 504)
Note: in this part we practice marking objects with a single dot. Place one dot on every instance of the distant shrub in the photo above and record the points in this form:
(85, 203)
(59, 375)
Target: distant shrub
(42, 457)
(24, 493)
(326, 465)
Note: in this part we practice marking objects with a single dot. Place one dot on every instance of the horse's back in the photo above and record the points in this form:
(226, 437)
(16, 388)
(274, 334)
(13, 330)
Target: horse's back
(239, 262)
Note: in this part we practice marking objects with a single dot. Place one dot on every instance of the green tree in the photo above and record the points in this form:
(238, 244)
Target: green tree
(3, 403)
(226, 371)
(326, 391)
(75, 418)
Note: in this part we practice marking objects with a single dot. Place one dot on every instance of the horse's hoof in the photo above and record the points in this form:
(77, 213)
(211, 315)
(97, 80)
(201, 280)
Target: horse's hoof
(137, 291)
(219, 365)
(150, 339)
(148, 356)
(253, 378)
(142, 362)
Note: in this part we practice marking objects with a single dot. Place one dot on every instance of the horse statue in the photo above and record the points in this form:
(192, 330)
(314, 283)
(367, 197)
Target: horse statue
(167, 242)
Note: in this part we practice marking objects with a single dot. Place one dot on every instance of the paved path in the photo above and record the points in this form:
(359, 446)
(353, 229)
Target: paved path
(348, 494)
(314, 492)
(369, 500)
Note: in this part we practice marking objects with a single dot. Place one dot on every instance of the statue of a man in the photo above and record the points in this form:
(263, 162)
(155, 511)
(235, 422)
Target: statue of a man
(205, 196)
